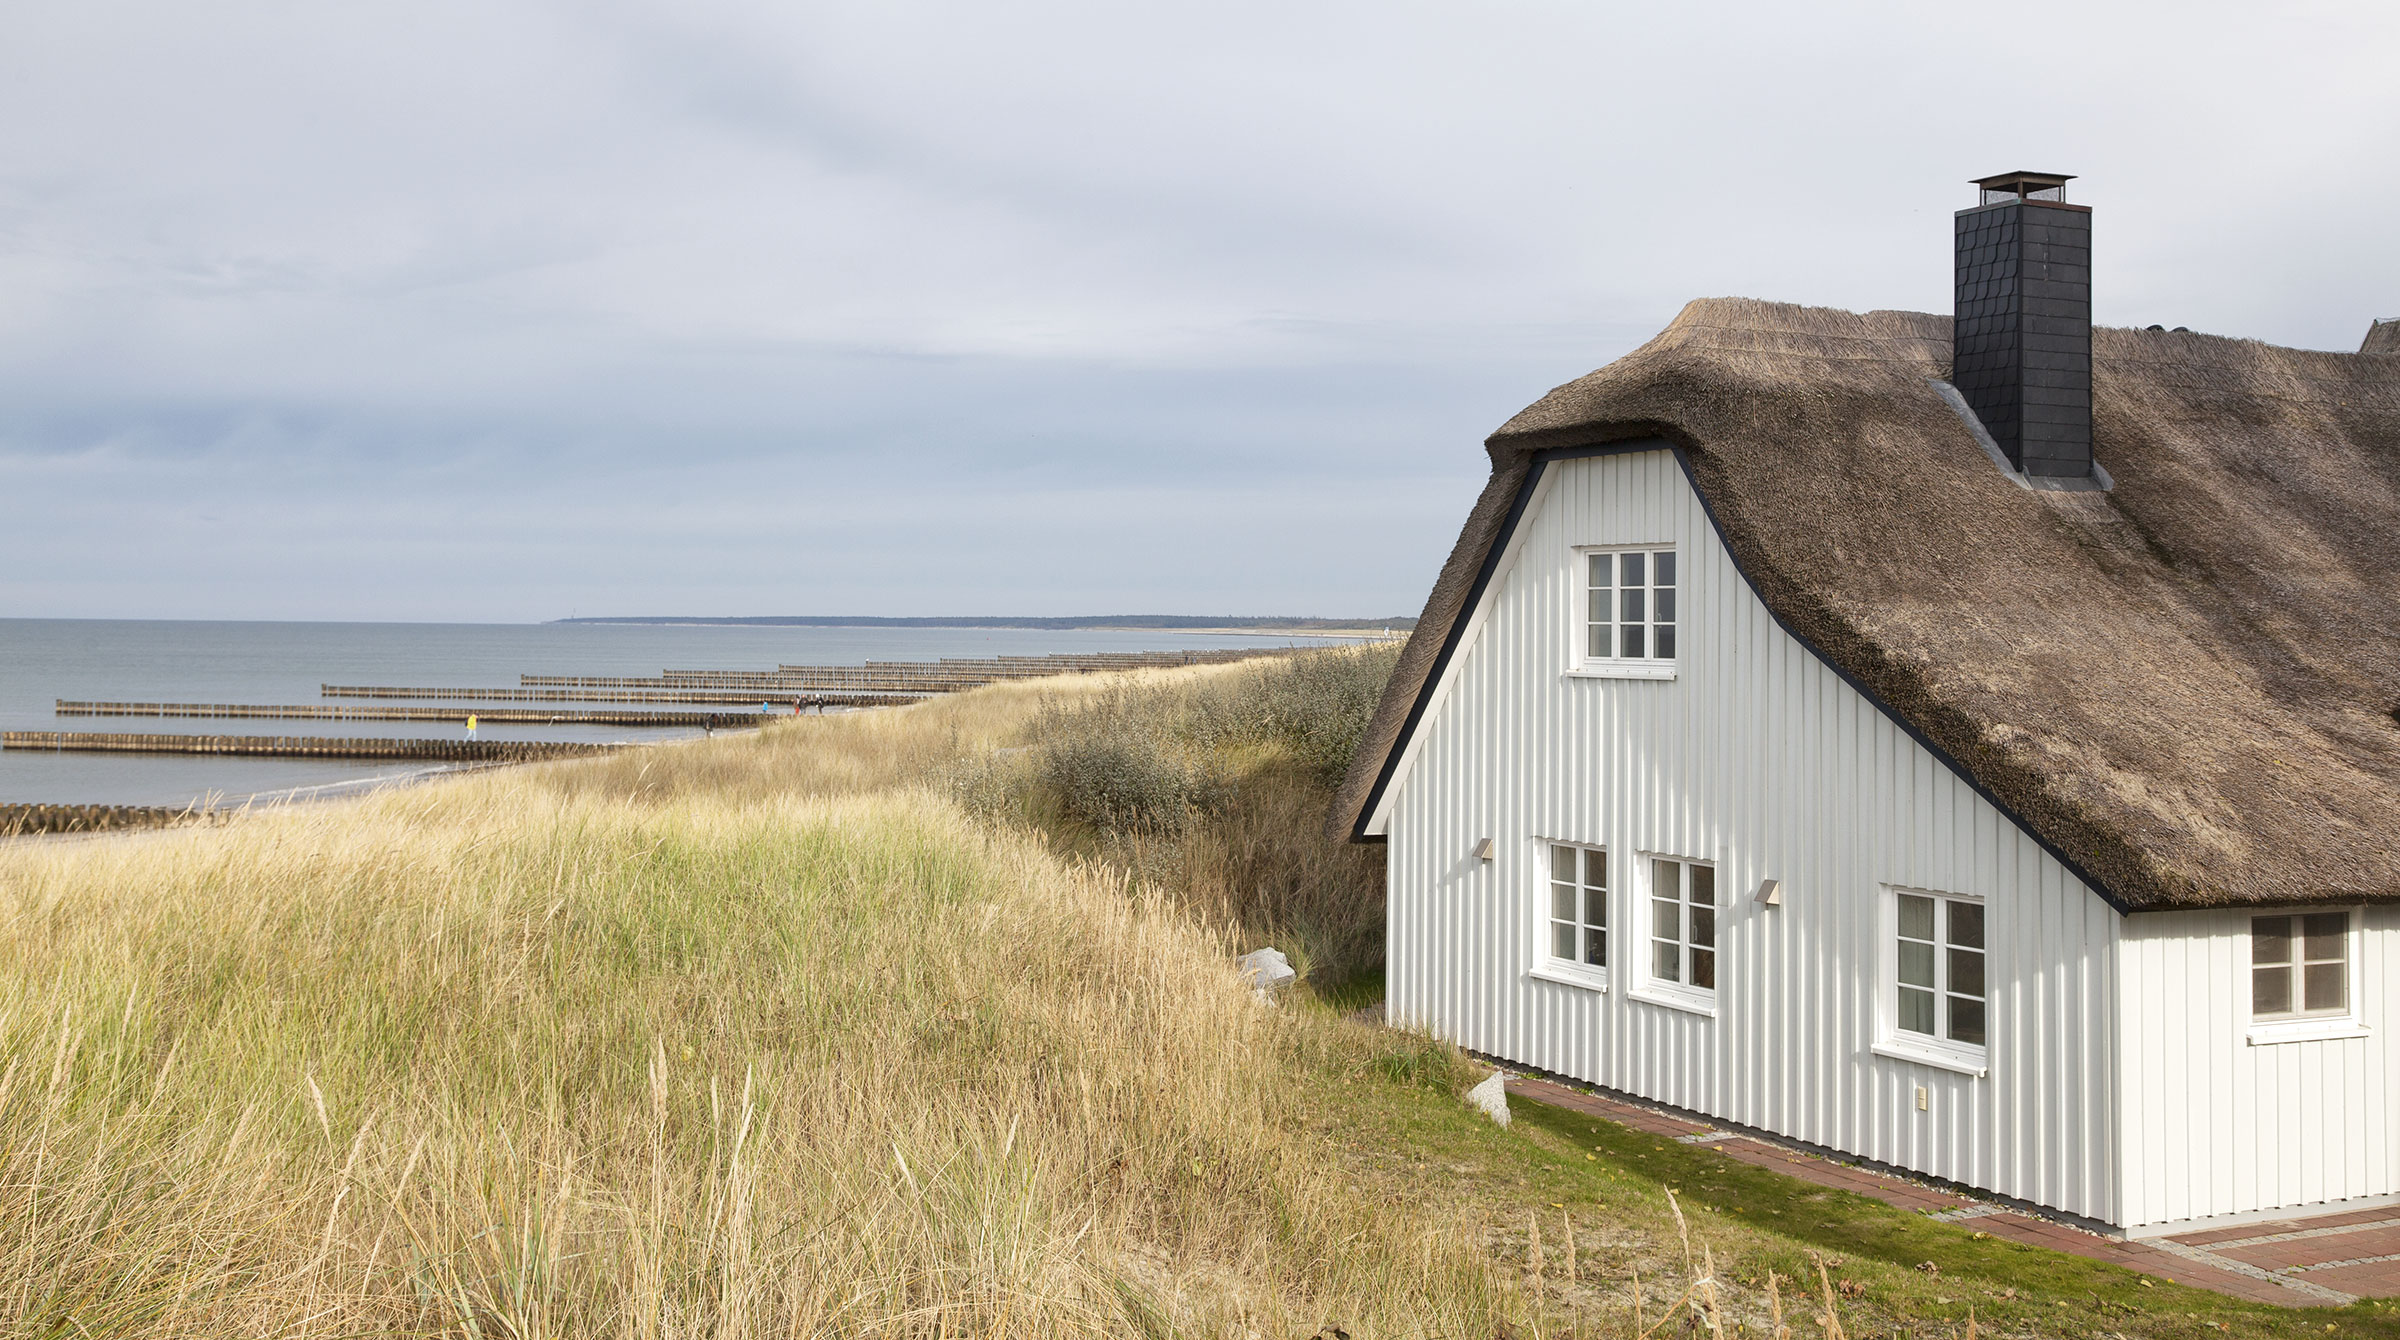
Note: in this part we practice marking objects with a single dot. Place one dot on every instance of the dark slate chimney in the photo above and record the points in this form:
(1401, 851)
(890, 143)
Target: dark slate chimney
(2021, 347)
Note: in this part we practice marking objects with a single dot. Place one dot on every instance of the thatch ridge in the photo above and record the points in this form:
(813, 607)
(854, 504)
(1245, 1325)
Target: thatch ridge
(2184, 686)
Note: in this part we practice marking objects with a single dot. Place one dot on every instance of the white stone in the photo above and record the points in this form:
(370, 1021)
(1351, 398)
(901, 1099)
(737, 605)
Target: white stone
(1266, 970)
(1491, 1098)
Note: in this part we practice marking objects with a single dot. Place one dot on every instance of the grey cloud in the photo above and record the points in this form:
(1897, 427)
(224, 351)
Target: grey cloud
(496, 310)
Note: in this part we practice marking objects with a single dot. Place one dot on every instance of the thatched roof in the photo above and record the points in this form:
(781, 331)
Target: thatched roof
(2186, 687)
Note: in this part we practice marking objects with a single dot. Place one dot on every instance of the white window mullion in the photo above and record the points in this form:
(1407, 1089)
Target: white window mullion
(1700, 923)
(1920, 966)
(1666, 920)
(1600, 607)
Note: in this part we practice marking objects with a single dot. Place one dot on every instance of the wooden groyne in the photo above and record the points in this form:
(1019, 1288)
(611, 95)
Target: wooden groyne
(554, 716)
(304, 746)
(852, 680)
(950, 675)
(20, 819)
(780, 697)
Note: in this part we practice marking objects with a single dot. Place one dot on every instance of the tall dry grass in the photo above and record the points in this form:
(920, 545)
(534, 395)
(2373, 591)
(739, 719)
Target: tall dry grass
(1214, 785)
(751, 1037)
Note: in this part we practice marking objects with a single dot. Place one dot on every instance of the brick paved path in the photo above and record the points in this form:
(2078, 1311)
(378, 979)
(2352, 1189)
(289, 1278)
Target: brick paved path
(2326, 1261)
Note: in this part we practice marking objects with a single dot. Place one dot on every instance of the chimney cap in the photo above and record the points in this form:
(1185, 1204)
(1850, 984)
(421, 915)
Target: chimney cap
(2024, 186)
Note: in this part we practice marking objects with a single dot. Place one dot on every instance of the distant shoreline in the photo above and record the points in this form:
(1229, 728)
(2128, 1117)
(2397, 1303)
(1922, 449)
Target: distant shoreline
(1121, 623)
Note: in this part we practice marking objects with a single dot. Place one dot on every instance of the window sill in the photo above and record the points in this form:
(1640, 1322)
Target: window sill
(2304, 1030)
(1622, 670)
(1588, 981)
(1940, 1058)
(1690, 1002)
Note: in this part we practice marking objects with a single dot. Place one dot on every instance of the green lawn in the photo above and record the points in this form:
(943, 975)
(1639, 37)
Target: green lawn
(1563, 1170)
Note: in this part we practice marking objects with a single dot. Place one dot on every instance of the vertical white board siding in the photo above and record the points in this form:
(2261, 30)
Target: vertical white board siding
(1758, 757)
(2215, 1126)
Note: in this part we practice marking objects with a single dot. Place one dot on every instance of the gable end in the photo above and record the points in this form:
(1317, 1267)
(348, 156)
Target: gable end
(1467, 624)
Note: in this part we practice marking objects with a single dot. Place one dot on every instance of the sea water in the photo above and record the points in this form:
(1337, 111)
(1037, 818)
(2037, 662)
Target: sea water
(44, 660)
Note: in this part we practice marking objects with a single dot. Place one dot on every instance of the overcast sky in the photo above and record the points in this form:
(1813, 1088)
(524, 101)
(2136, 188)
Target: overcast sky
(507, 311)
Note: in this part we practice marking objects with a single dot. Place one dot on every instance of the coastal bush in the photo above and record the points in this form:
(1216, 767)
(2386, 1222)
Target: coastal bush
(1117, 762)
(1216, 787)
(1314, 706)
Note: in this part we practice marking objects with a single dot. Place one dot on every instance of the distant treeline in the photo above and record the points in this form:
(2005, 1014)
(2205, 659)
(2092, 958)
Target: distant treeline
(1165, 621)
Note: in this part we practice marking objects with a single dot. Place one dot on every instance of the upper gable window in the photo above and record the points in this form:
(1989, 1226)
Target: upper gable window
(1629, 611)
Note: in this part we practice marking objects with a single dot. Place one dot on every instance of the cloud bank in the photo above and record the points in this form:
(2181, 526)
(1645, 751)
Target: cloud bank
(511, 311)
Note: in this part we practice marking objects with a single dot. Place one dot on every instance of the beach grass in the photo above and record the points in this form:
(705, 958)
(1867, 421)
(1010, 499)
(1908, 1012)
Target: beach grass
(761, 1035)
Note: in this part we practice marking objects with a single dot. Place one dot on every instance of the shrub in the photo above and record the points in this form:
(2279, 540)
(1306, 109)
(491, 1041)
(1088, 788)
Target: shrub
(1117, 762)
(1213, 788)
(1315, 705)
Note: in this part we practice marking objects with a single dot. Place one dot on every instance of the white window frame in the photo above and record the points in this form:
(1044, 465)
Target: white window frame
(1619, 666)
(1546, 965)
(2300, 1025)
(1936, 1050)
(1643, 937)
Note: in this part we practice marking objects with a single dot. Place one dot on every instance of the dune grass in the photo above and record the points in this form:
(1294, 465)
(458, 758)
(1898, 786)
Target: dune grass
(754, 1036)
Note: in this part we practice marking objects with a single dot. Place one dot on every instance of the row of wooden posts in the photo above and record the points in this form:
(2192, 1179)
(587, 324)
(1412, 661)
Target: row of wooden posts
(947, 675)
(874, 684)
(303, 746)
(781, 696)
(545, 716)
(16, 820)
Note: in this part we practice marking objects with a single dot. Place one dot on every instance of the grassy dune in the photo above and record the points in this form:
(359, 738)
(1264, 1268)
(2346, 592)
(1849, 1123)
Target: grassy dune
(762, 1035)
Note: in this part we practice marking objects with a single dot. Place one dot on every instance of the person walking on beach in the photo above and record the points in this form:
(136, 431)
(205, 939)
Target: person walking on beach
(470, 725)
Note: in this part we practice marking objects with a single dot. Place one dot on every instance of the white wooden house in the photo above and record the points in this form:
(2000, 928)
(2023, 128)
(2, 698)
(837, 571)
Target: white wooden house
(1979, 757)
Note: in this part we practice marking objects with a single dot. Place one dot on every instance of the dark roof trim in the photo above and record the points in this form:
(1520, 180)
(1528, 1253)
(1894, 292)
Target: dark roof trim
(1466, 611)
(1539, 462)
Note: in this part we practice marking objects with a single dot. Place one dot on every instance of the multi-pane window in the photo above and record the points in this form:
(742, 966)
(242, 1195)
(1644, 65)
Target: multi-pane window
(1683, 923)
(1941, 969)
(1579, 905)
(2300, 965)
(1629, 605)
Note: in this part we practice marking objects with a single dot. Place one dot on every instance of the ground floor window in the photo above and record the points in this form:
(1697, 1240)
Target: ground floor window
(1683, 923)
(1940, 969)
(1578, 905)
(2300, 965)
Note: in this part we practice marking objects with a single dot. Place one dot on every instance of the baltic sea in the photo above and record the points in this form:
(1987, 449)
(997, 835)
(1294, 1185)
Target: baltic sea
(44, 660)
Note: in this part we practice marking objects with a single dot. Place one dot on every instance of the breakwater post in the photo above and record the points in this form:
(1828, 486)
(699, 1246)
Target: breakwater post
(547, 716)
(16, 820)
(780, 696)
(305, 746)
